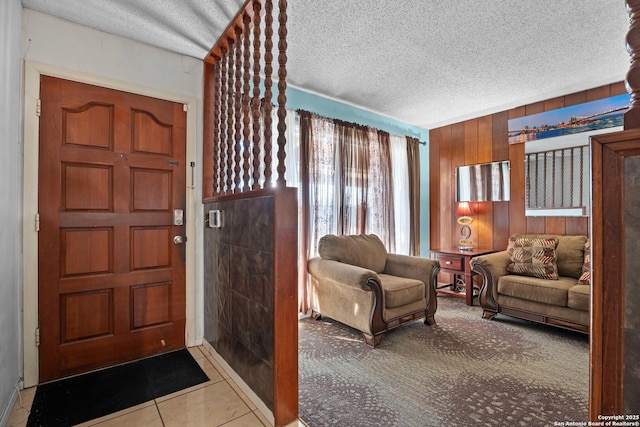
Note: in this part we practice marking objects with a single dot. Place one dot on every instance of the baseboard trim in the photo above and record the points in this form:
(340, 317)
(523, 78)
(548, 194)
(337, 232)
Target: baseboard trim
(238, 380)
(6, 413)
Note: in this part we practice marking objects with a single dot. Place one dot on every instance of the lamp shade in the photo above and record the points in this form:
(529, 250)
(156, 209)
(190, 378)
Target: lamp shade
(463, 209)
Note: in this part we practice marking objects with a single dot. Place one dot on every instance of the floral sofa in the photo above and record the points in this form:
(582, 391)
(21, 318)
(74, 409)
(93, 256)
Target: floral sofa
(540, 277)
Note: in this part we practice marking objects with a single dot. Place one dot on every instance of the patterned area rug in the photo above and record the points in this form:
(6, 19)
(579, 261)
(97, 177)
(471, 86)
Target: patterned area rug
(464, 371)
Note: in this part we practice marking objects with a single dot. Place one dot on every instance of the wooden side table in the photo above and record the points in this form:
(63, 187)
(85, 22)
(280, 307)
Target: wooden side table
(456, 262)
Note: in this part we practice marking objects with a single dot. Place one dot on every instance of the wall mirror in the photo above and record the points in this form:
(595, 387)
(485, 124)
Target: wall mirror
(485, 182)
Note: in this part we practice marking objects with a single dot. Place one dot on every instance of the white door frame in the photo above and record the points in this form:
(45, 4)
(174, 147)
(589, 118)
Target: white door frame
(32, 73)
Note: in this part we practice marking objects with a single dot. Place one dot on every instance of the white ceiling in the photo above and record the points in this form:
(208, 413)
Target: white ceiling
(424, 62)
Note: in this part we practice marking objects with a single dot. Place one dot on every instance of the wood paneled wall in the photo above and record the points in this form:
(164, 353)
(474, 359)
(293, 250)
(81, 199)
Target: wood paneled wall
(485, 139)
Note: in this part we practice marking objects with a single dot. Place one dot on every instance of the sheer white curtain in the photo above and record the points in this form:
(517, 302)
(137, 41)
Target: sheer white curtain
(380, 209)
(324, 182)
(375, 200)
(400, 182)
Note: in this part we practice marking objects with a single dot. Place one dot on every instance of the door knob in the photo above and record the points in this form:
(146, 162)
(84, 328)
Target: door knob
(178, 240)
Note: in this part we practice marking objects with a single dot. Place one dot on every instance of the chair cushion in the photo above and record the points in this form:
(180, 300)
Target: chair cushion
(554, 292)
(533, 257)
(399, 291)
(585, 277)
(364, 250)
(579, 297)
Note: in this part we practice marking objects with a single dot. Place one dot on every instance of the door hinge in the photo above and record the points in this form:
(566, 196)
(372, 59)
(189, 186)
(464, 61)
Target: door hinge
(37, 337)
(37, 222)
(38, 107)
(185, 107)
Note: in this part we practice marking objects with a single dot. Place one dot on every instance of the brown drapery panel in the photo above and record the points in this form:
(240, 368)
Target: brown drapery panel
(303, 245)
(413, 156)
(353, 177)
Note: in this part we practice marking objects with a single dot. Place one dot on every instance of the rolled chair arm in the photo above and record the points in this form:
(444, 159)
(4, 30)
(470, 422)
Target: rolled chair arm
(345, 274)
(491, 267)
(411, 267)
(334, 273)
(423, 269)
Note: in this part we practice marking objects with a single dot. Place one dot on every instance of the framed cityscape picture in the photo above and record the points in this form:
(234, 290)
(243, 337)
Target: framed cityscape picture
(592, 116)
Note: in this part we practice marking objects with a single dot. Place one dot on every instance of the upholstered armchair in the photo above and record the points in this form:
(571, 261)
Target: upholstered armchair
(356, 282)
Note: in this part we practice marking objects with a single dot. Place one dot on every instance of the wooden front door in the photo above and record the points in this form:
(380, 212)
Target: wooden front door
(111, 281)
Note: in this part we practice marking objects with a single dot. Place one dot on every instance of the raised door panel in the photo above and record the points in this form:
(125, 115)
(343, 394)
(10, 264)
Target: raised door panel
(87, 187)
(151, 304)
(150, 190)
(89, 125)
(150, 247)
(86, 251)
(151, 135)
(86, 315)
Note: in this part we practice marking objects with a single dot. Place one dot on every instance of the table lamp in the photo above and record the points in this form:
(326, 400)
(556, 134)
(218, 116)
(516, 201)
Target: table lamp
(464, 212)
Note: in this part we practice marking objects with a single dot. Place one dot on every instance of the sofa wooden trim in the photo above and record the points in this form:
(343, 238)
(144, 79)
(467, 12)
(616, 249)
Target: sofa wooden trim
(379, 326)
(535, 317)
(491, 307)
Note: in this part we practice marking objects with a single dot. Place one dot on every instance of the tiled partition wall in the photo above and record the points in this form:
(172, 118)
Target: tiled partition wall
(250, 292)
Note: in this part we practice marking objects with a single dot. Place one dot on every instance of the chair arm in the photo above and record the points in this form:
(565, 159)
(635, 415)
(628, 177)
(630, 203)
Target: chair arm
(345, 274)
(411, 267)
(491, 267)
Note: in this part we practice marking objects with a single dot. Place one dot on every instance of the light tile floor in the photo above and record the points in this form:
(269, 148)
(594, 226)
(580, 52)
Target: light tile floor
(218, 402)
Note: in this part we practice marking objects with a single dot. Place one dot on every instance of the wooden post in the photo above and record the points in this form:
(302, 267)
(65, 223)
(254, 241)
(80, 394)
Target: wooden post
(255, 99)
(632, 82)
(268, 94)
(282, 88)
(209, 138)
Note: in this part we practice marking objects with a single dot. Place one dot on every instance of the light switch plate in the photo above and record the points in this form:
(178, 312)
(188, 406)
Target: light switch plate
(215, 218)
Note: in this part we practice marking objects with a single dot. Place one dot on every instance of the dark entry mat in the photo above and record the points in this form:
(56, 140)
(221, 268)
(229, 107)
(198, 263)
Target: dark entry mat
(84, 397)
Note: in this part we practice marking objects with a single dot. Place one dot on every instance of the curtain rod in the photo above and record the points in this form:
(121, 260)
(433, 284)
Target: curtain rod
(299, 110)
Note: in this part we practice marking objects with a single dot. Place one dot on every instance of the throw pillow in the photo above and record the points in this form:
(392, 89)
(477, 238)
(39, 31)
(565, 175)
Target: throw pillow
(534, 257)
(585, 279)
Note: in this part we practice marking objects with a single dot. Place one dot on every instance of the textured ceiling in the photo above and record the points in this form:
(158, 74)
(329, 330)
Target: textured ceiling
(424, 62)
